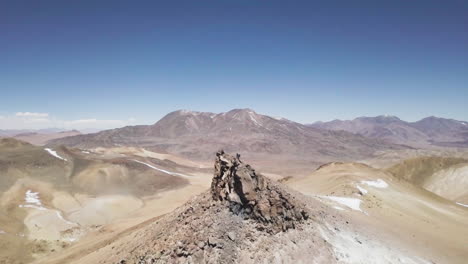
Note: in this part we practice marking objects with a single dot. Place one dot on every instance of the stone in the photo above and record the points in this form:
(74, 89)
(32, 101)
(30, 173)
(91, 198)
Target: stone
(231, 235)
(251, 195)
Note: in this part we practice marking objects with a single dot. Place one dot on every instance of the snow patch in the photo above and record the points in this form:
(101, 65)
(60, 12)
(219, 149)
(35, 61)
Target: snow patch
(377, 183)
(2, 232)
(59, 215)
(161, 170)
(86, 152)
(32, 201)
(352, 203)
(362, 190)
(54, 153)
(253, 119)
(350, 248)
(464, 205)
(338, 208)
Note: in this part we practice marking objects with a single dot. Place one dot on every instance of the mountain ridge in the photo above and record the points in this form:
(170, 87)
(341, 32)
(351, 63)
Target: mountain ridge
(427, 132)
(198, 135)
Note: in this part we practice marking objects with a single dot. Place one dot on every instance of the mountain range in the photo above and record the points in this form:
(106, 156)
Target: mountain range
(38, 137)
(197, 135)
(427, 132)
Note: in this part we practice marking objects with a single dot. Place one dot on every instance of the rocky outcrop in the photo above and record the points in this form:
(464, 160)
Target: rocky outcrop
(242, 219)
(253, 196)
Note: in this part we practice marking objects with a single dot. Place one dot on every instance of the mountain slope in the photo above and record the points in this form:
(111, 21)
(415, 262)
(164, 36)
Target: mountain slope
(445, 176)
(425, 222)
(51, 197)
(426, 132)
(38, 138)
(198, 135)
(247, 218)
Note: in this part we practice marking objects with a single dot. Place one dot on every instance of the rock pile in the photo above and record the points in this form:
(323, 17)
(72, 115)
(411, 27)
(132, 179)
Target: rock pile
(239, 220)
(252, 196)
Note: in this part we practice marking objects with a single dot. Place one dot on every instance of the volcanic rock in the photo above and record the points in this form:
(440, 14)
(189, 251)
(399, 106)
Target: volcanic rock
(251, 195)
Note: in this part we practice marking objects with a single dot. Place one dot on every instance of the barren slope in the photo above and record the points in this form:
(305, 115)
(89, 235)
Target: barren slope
(445, 176)
(428, 132)
(198, 135)
(52, 198)
(427, 224)
(246, 218)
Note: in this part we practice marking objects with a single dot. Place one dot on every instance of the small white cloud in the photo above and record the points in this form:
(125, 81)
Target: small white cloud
(31, 114)
(38, 120)
(29, 120)
(96, 123)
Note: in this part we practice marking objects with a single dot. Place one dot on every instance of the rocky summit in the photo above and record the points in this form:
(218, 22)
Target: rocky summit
(242, 218)
(251, 195)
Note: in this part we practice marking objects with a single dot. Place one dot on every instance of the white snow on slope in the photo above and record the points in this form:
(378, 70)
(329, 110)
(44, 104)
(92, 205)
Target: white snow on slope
(352, 203)
(362, 190)
(338, 208)
(377, 183)
(54, 153)
(465, 205)
(161, 170)
(59, 215)
(352, 248)
(32, 201)
(251, 115)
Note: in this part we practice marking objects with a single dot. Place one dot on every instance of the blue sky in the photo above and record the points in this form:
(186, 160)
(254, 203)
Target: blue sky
(112, 63)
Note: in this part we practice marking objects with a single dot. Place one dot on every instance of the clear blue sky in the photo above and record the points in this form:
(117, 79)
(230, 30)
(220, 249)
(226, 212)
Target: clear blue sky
(303, 60)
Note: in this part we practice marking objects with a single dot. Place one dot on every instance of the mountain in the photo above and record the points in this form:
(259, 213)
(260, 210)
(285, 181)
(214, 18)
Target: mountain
(197, 135)
(12, 132)
(40, 138)
(430, 131)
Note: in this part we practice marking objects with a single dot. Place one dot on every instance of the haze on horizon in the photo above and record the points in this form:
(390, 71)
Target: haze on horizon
(100, 65)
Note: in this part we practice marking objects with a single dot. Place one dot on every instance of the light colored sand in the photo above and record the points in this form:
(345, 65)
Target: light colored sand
(47, 224)
(104, 209)
(86, 250)
(409, 216)
(451, 183)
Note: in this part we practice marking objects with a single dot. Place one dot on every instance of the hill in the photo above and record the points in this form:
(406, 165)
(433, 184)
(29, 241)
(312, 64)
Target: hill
(38, 138)
(427, 224)
(430, 131)
(445, 176)
(51, 197)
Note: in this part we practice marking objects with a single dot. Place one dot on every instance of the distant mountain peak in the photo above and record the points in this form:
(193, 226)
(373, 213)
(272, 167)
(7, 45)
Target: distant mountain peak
(428, 131)
(379, 119)
(186, 112)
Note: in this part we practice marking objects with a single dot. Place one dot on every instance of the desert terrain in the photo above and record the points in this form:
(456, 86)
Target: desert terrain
(121, 196)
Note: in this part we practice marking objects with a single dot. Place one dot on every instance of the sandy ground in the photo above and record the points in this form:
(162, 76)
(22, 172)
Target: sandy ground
(425, 224)
(154, 206)
(451, 183)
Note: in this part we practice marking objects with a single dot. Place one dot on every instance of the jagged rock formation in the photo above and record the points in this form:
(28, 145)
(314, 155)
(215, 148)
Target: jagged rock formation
(251, 195)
